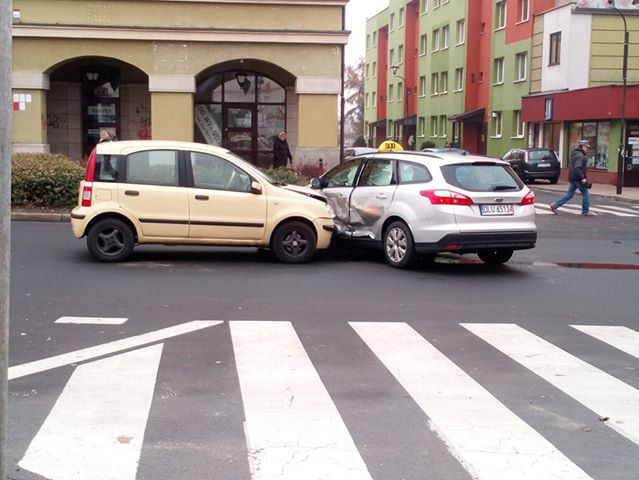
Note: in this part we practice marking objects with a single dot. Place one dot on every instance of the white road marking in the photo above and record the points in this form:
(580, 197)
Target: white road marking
(622, 338)
(621, 209)
(90, 353)
(606, 209)
(564, 208)
(96, 428)
(541, 211)
(92, 320)
(489, 440)
(600, 392)
(293, 429)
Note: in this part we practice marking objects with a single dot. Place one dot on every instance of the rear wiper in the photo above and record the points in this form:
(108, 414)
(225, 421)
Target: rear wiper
(498, 188)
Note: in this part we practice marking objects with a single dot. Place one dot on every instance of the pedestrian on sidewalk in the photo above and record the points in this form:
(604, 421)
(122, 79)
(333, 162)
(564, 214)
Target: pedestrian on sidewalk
(281, 152)
(577, 179)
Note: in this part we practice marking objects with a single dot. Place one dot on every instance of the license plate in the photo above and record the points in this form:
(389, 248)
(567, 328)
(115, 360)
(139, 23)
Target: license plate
(543, 165)
(495, 210)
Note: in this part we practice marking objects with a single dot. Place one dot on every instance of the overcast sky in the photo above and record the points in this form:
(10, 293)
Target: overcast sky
(357, 11)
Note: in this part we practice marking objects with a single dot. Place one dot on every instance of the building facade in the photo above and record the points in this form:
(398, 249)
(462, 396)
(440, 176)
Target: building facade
(487, 71)
(227, 72)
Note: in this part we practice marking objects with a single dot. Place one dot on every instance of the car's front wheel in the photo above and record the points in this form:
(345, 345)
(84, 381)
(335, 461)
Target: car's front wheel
(496, 256)
(110, 240)
(554, 180)
(294, 242)
(399, 247)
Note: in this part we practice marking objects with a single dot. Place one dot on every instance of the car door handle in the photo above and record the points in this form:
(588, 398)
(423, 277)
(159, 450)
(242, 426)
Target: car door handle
(131, 193)
(201, 197)
(381, 196)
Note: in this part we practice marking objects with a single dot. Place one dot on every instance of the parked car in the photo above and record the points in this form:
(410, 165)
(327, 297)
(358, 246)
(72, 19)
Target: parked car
(412, 204)
(178, 193)
(459, 151)
(534, 164)
(355, 151)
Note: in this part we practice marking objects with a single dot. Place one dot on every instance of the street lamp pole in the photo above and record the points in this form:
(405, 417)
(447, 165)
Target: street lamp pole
(394, 69)
(624, 75)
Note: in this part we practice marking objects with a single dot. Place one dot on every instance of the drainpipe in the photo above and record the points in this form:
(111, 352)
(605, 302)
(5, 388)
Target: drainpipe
(5, 218)
(342, 99)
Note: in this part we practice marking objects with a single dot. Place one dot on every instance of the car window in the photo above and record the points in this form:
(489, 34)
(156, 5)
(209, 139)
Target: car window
(377, 173)
(413, 173)
(519, 156)
(541, 155)
(107, 168)
(153, 167)
(343, 175)
(482, 177)
(217, 173)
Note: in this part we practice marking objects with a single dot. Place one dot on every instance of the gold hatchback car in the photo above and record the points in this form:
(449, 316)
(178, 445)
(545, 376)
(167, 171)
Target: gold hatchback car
(179, 193)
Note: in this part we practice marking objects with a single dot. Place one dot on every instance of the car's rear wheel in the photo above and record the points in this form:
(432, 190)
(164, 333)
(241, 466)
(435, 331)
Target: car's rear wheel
(554, 180)
(110, 240)
(399, 247)
(496, 256)
(294, 242)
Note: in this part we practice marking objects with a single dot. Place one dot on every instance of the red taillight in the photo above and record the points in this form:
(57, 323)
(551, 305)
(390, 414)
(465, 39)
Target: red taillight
(529, 199)
(87, 190)
(446, 197)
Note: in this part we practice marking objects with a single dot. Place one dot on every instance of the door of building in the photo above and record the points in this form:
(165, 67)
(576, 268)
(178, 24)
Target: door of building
(240, 129)
(100, 105)
(631, 167)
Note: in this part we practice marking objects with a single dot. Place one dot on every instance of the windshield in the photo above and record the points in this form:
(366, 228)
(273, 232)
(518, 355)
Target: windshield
(541, 155)
(482, 177)
(253, 170)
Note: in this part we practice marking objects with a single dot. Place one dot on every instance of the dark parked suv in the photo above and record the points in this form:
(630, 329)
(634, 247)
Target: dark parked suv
(534, 163)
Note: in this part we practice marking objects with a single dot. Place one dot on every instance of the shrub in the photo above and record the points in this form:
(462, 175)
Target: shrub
(300, 175)
(44, 180)
(428, 144)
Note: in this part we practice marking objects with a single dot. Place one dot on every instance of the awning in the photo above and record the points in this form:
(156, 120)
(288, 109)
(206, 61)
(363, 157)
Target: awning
(378, 123)
(412, 120)
(468, 115)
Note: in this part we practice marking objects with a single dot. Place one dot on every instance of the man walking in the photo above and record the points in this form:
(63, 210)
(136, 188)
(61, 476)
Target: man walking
(577, 166)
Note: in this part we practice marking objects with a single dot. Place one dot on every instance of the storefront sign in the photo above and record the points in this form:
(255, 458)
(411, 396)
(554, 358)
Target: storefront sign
(207, 125)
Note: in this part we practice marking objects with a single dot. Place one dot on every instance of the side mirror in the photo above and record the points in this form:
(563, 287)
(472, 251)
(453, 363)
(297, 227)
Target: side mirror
(256, 188)
(317, 184)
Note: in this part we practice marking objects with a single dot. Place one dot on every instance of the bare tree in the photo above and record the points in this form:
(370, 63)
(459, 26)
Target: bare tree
(354, 92)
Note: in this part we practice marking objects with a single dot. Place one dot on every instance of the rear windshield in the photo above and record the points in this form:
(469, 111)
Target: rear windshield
(541, 155)
(482, 177)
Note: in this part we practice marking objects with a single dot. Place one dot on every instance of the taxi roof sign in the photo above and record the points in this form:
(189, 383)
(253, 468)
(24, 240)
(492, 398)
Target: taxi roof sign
(389, 146)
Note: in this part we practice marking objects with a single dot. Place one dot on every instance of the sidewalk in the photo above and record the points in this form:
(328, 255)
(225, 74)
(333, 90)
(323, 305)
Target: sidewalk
(628, 194)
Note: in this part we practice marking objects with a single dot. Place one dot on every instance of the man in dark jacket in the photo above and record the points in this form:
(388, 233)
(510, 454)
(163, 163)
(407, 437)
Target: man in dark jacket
(577, 179)
(281, 153)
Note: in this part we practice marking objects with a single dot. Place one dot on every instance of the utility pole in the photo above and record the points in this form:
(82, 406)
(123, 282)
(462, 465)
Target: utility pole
(6, 11)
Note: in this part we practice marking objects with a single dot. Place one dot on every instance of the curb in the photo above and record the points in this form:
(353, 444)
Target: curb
(40, 217)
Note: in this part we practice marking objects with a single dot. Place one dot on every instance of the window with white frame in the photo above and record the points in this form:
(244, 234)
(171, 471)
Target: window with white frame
(459, 79)
(445, 1)
(368, 70)
(461, 32)
(434, 84)
(500, 15)
(497, 124)
(422, 127)
(400, 91)
(400, 54)
(519, 124)
(521, 65)
(423, 44)
(391, 92)
(436, 3)
(499, 71)
(442, 125)
(435, 37)
(391, 57)
(422, 86)
(523, 8)
(555, 48)
(374, 99)
(433, 126)
(374, 69)
(374, 39)
(423, 6)
(443, 82)
(401, 17)
(392, 22)
(367, 100)
(445, 36)
(368, 41)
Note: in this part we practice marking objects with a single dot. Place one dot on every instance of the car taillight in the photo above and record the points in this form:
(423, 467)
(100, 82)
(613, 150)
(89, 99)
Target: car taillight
(87, 190)
(446, 197)
(529, 199)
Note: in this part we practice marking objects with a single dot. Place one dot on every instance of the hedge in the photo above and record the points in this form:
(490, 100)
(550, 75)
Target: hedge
(45, 180)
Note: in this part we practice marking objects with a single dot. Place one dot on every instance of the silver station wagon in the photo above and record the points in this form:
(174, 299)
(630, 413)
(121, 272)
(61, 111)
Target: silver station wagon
(416, 204)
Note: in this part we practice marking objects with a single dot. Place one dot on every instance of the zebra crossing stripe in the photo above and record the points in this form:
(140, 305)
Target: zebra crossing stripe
(595, 389)
(606, 209)
(622, 338)
(488, 439)
(620, 209)
(96, 428)
(293, 429)
(90, 353)
(541, 211)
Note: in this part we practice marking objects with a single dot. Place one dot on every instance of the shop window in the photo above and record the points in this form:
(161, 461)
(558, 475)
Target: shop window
(598, 134)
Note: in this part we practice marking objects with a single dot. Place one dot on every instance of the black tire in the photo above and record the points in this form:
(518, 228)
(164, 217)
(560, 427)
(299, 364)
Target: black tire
(554, 180)
(294, 242)
(495, 257)
(110, 240)
(399, 247)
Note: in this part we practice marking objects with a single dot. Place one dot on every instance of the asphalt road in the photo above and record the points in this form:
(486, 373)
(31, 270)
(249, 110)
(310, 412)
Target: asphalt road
(315, 371)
